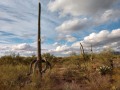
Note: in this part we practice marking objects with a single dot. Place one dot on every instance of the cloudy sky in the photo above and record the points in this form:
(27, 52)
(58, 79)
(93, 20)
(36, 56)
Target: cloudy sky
(64, 24)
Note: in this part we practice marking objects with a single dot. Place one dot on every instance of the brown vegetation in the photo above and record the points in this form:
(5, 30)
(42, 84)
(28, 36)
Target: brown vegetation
(67, 73)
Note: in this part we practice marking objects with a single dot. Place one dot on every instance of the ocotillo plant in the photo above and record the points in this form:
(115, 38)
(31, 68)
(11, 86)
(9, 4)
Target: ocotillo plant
(83, 55)
(82, 51)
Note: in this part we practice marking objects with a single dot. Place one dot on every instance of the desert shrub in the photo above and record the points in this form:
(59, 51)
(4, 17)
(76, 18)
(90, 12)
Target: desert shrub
(48, 56)
(12, 76)
(73, 54)
(106, 54)
(15, 59)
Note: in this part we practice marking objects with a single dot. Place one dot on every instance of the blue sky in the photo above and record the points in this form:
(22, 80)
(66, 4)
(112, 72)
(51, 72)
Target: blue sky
(64, 24)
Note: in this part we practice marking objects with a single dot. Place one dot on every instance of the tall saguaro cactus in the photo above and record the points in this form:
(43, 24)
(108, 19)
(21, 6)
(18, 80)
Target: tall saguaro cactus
(39, 58)
(37, 64)
(91, 53)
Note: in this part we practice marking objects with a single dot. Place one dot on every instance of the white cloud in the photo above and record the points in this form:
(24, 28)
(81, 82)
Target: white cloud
(108, 16)
(73, 25)
(99, 41)
(56, 44)
(24, 46)
(62, 48)
(23, 49)
(102, 39)
(19, 17)
(43, 38)
(18, 22)
(92, 13)
(70, 38)
(79, 24)
(81, 7)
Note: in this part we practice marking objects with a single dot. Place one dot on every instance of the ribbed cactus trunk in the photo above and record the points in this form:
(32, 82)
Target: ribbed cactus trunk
(91, 53)
(39, 58)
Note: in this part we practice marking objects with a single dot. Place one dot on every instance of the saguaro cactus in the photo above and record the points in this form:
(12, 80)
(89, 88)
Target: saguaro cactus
(39, 58)
(91, 53)
(37, 64)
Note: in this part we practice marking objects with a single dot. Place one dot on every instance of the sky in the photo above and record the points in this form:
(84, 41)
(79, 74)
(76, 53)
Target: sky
(64, 25)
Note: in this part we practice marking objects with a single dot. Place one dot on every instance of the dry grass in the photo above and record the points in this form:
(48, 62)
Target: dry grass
(69, 73)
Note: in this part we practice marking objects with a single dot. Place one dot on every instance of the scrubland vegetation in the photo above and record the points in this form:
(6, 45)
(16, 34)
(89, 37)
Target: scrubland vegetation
(67, 73)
